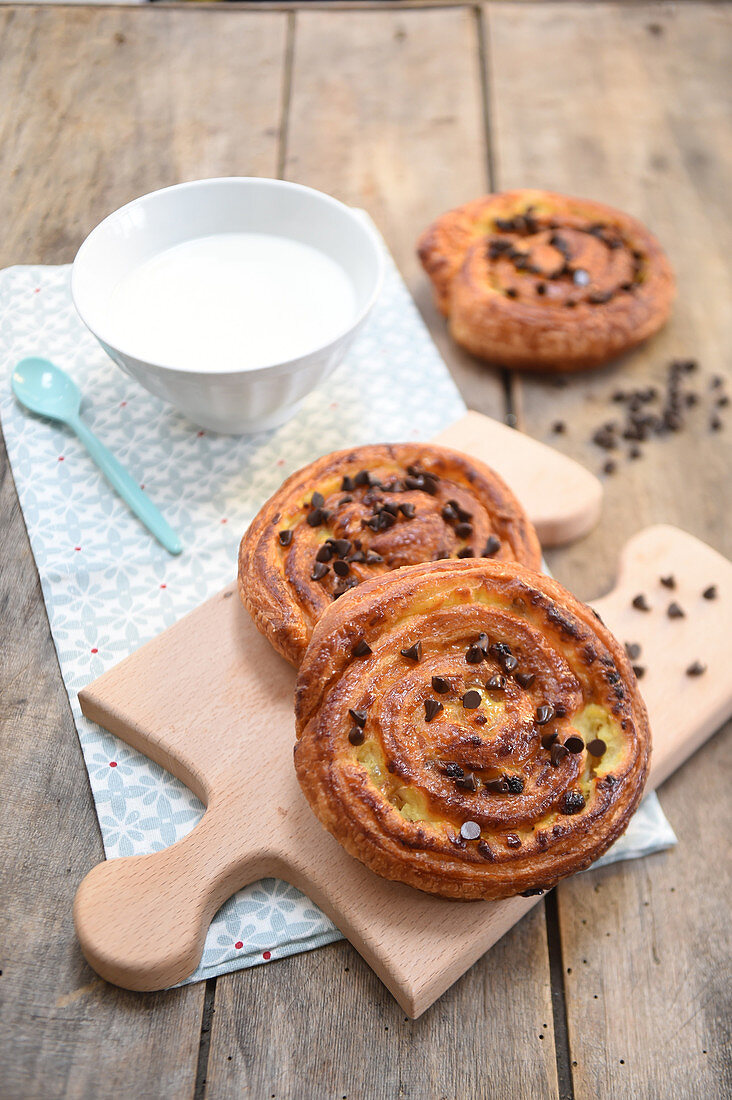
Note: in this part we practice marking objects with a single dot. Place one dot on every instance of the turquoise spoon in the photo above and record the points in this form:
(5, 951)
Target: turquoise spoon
(47, 390)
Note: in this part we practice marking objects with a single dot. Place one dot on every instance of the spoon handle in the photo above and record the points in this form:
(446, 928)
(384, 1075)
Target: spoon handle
(127, 488)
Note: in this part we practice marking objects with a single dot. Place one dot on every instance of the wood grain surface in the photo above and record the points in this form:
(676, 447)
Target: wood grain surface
(594, 98)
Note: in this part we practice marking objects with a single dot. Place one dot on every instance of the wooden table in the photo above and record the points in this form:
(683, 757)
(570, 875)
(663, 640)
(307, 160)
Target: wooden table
(615, 986)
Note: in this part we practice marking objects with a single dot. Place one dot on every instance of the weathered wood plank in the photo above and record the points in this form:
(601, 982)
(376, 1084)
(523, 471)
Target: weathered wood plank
(116, 83)
(631, 104)
(385, 113)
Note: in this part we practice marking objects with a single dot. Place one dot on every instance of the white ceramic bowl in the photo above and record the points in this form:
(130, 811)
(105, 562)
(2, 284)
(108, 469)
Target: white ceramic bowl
(230, 400)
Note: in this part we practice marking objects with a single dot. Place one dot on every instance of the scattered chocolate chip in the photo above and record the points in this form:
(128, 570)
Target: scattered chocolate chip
(343, 586)
(347, 485)
(610, 467)
(541, 288)
(372, 558)
(669, 581)
(640, 603)
(696, 669)
(453, 771)
(514, 783)
(496, 786)
(633, 650)
(597, 747)
(599, 297)
(532, 893)
(413, 652)
(572, 802)
(468, 782)
(356, 736)
(559, 427)
(492, 546)
(440, 685)
(674, 611)
(524, 679)
(715, 424)
(407, 509)
(513, 841)
(509, 664)
(431, 708)
(316, 517)
(359, 717)
(325, 553)
(466, 552)
(496, 683)
(710, 593)
(341, 547)
(285, 537)
(475, 654)
(471, 700)
(470, 830)
(362, 478)
(317, 500)
(544, 714)
(341, 568)
(548, 740)
(463, 530)
(511, 292)
(320, 569)
(635, 452)
(558, 753)
(574, 743)
(639, 671)
(362, 649)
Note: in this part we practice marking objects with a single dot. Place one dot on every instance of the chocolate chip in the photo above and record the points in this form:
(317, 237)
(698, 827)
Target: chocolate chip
(669, 581)
(341, 547)
(440, 685)
(356, 736)
(640, 603)
(317, 500)
(511, 292)
(544, 714)
(448, 513)
(572, 802)
(674, 611)
(475, 654)
(341, 568)
(599, 297)
(362, 649)
(635, 452)
(509, 664)
(372, 558)
(696, 669)
(514, 783)
(558, 753)
(597, 747)
(466, 552)
(343, 586)
(285, 537)
(532, 893)
(541, 288)
(319, 571)
(610, 467)
(468, 782)
(463, 530)
(316, 517)
(492, 546)
(471, 700)
(390, 507)
(575, 744)
(559, 427)
(325, 553)
(470, 830)
(513, 841)
(639, 671)
(407, 509)
(453, 771)
(496, 786)
(462, 513)
(359, 717)
(524, 679)
(710, 593)
(496, 683)
(413, 652)
(548, 740)
(633, 650)
(347, 485)
(362, 478)
(431, 708)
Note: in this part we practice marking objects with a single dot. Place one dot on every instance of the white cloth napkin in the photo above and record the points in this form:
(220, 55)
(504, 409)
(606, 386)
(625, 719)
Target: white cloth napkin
(109, 587)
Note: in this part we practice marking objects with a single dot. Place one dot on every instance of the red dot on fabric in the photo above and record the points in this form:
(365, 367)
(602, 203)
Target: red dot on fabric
(113, 763)
(224, 521)
(163, 586)
(267, 955)
(37, 290)
(60, 458)
(238, 945)
(77, 548)
(334, 404)
(95, 651)
(123, 404)
(200, 434)
(280, 462)
(142, 486)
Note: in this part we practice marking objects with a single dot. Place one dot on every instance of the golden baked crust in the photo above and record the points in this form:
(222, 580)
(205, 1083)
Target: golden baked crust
(479, 799)
(544, 282)
(388, 503)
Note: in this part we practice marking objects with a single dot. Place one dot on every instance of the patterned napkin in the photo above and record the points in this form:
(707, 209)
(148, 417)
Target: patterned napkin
(109, 587)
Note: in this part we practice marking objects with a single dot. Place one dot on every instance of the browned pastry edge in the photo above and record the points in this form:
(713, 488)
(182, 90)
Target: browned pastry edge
(627, 299)
(572, 656)
(275, 582)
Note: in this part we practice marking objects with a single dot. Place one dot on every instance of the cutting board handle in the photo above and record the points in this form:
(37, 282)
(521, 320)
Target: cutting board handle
(142, 920)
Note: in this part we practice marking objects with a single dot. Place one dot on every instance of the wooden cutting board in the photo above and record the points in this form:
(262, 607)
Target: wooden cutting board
(211, 702)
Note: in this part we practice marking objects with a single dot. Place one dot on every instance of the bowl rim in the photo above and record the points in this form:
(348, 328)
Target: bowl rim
(364, 223)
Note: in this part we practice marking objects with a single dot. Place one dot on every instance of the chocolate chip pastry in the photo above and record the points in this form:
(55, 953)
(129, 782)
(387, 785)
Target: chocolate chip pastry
(469, 728)
(357, 514)
(545, 282)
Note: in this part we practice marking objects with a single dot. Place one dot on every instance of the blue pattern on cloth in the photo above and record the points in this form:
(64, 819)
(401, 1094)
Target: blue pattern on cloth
(109, 587)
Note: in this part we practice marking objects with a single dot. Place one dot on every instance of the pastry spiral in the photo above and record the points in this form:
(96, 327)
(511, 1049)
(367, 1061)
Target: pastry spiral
(470, 729)
(353, 515)
(541, 281)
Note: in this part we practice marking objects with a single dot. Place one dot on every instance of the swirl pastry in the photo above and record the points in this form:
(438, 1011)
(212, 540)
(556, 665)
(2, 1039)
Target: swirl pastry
(469, 728)
(541, 281)
(353, 515)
